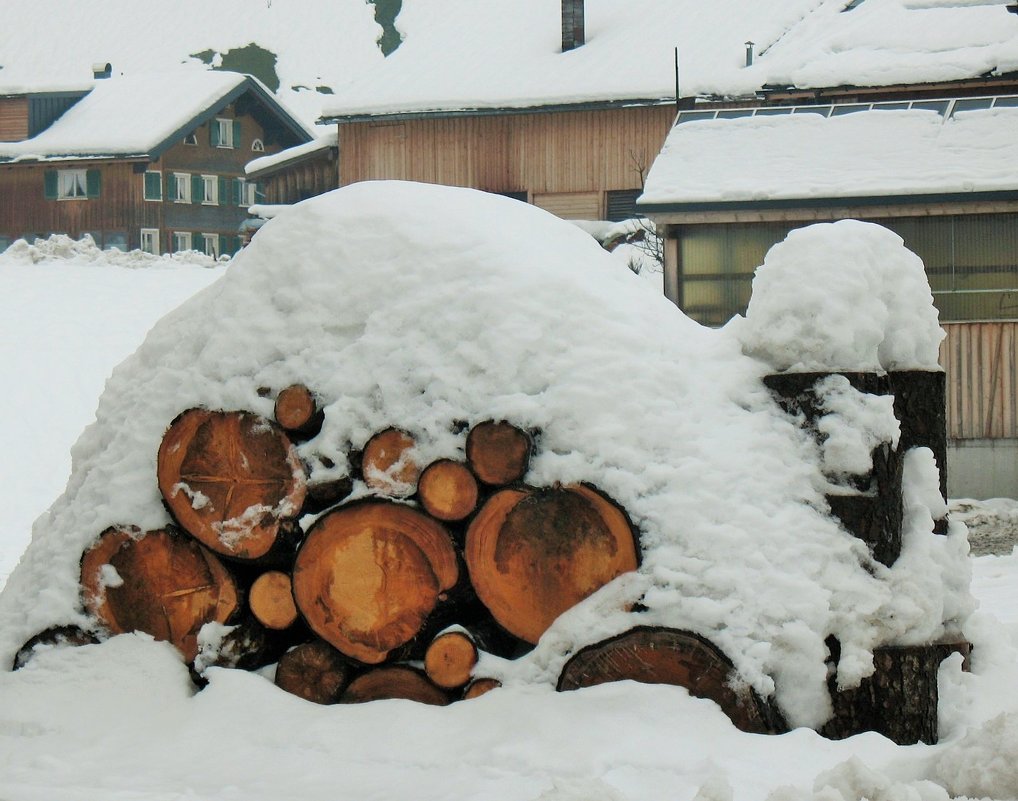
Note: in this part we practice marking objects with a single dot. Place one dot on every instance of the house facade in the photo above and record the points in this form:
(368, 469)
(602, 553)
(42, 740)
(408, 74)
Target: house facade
(297, 173)
(114, 165)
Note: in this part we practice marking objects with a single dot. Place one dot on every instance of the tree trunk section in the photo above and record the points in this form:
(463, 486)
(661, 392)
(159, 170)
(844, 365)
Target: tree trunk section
(387, 464)
(161, 582)
(297, 411)
(447, 490)
(479, 687)
(397, 681)
(232, 480)
(450, 659)
(498, 452)
(271, 600)
(369, 574)
(667, 656)
(314, 671)
(534, 553)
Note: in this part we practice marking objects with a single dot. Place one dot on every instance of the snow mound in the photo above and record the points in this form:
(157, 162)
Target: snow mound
(842, 296)
(85, 250)
(419, 306)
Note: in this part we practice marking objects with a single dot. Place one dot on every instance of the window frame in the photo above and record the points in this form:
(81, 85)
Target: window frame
(210, 244)
(181, 237)
(209, 198)
(191, 138)
(154, 234)
(83, 185)
(182, 179)
(224, 133)
(257, 145)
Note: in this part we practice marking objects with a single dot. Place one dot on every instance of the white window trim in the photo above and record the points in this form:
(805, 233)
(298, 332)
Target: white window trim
(208, 181)
(258, 146)
(143, 187)
(191, 138)
(225, 133)
(213, 240)
(185, 178)
(153, 232)
(248, 192)
(66, 180)
(182, 241)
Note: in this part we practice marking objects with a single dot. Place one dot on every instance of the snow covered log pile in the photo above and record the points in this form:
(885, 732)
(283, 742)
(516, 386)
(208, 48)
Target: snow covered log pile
(384, 511)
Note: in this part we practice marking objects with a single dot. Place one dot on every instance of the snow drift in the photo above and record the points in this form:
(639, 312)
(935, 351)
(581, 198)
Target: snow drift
(418, 306)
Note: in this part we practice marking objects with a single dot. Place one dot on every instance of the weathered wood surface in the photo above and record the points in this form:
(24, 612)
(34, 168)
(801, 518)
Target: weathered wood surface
(450, 659)
(534, 553)
(387, 463)
(668, 656)
(498, 452)
(232, 480)
(479, 687)
(69, 636)
(271, 600)
(314, 671)
(448, 490)
(298, 412)
(395, 681)
(369, 574)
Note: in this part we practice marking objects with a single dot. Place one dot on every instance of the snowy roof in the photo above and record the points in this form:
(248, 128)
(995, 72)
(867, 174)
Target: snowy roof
(141, 115)
(292, 154)
(885, 42)
(462, 55)
(874, 154)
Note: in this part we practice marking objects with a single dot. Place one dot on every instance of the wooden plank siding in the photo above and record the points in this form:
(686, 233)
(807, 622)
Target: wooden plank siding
(13, 119)
(981, 361)
(541, 153)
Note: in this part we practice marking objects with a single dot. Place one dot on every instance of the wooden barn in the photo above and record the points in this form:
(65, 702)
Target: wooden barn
(297, 173)
(154, 162)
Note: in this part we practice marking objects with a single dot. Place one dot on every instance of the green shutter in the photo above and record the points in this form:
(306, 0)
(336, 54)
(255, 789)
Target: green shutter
(153, 186)
(214, 133)
(49, 184)
(224, 191)
(236, 133)
(238, 191)
(196, 189)
(198, 242)
(224, 246)
(92, 182)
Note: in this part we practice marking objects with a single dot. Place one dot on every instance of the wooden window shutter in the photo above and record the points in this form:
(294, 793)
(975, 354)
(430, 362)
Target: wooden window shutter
(93, 180)
(153, 186)
(49, 184)
(224, 246)
(214, 133)
(197, 190)
(238, 191)
(236, 133)
(224, 191)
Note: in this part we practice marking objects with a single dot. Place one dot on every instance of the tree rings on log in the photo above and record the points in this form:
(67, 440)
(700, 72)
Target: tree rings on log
(298, 412)
(387, 465)
(450, 659)
(447, 490)
(369, 574)
(231, 479)
(161, 582)
(534, 553)
(314, 671)
(668, 656)
(271, 600)
(397, 681)
(498, 452)
(479, 687)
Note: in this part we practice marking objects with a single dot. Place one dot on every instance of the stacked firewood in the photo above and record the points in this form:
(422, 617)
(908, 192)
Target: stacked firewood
(391, 594)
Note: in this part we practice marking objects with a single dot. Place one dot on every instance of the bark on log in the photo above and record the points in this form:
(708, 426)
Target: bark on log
(479, 687)
(298, 412)
(232, 480)
(369, 574)
(395, 681)
(450, 659)
(447, 490)
(387, 464)
(898, 701)
(160, 582)
(498, 452)
(271, 600)
(322, 495)
(534, 553)
(668, 656)
(314, 671)
(69, 636)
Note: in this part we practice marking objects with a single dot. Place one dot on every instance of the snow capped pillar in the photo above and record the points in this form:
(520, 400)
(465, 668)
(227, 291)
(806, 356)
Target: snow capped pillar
(572, 24)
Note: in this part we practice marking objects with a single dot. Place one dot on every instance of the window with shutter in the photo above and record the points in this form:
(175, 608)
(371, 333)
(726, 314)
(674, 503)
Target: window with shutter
(181, 187)
(153, 185)
(49, 184)
(224, 192)
(92, 182)
(209, 190)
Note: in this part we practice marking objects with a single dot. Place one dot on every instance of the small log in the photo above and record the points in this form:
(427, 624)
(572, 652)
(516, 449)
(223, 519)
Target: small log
(447, 490)
(244, 646)
(387, 465)
(232, 480)
(325, 494)
(370, 573)
(69, 636)
(298, 412)
(160, 582)
(314, 671)
(271, 600)
(498, 452)
(450, 659)
(479, 687)
(654, 655)
(395, 681)
(534, 553)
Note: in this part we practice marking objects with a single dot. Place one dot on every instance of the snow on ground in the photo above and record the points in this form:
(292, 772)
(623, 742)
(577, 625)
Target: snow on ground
(121, 720)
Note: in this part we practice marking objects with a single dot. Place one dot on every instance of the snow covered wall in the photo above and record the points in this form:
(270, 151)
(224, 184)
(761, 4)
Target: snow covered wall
(418, 306)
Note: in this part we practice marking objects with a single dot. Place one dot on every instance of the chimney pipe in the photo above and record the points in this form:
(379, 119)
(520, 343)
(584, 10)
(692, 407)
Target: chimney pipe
(749, 54)
(572, 24)
(101, 70)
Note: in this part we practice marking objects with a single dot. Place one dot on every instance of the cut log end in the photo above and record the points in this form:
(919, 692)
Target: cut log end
(314, 671)
(387, 464)
(397, 681)
(69, 636)
(498, 452)
(271, 600)
(298, 412)
(479, 687)
(450, 659)
(448, 490)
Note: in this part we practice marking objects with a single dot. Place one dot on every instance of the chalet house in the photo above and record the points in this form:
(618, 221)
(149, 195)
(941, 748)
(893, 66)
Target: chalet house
(563, 105)
(921, 141)
(297, 173)
(151, 161)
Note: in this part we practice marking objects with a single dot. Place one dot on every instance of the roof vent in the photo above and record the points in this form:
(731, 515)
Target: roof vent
(572, 24)
(749, 54)
(101, 70)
